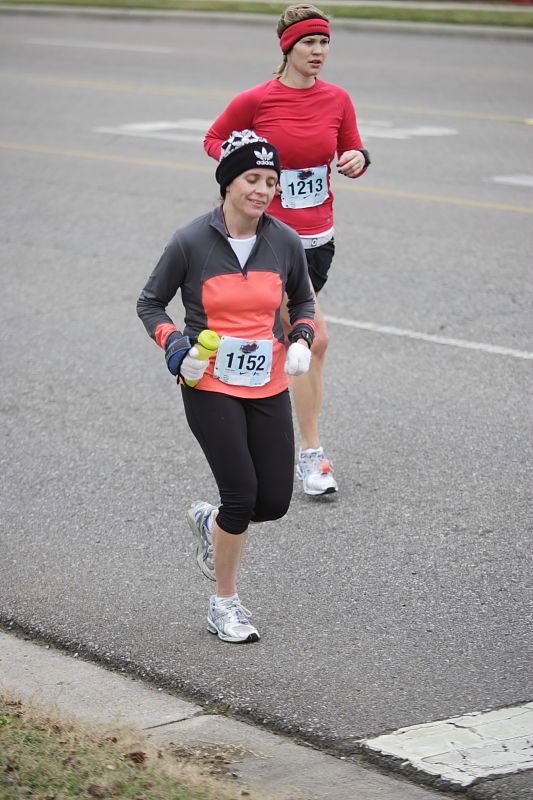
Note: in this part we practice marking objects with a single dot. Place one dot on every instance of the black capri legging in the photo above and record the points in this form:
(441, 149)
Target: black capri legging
(249, 444)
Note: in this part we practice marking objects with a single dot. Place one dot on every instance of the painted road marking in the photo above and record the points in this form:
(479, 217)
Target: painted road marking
(61, 152)
(368, 326)
(515, 180)
(438, 112)
(167, 137)
(427, 337)
(430, 198)
(161, 130)
(378, 129)
(79, 43)
(183, 124)
(181, 91)
(109, 86)
(166, 130)
(108, 157)
(463, 749)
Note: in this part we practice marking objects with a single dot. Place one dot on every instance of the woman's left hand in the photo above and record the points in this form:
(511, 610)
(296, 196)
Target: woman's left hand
(351, 163)
(298, 358)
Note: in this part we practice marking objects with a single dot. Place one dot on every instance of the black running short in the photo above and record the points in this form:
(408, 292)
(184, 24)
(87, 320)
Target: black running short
(318, 263)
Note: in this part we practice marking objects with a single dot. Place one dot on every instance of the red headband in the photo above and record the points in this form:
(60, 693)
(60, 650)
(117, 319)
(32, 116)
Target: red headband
(299, 30)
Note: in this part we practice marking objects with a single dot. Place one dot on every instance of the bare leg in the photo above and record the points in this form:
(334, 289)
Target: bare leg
(226, 616)
(228, 549)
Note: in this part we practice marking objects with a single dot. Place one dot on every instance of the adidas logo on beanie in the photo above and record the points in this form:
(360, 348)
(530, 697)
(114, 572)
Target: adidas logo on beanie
(241, 152)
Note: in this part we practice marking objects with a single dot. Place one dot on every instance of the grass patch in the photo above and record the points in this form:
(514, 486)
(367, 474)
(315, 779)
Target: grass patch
(46, 756)
(508, 18)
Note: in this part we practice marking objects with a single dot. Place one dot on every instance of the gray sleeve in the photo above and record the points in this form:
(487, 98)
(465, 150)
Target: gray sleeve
(162, 285)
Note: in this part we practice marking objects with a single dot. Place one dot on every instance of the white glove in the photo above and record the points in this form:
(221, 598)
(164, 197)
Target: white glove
(192, 368)
(298, 359)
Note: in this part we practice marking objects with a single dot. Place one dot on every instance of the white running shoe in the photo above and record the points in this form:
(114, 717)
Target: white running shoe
(200, 517)
(229, 619)
(314, 470)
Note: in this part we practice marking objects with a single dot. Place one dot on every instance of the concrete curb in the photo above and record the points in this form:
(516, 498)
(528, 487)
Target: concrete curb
(380, 26)
(269, 763)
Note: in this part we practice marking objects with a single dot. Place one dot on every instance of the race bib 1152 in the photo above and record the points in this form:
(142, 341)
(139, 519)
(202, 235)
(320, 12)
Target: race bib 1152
(243, 362)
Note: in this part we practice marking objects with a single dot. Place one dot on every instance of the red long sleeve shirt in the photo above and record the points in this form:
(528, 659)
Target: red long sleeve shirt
(307, 126)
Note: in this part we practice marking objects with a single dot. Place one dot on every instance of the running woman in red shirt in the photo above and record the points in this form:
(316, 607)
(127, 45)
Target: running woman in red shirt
(309, 121)
(232, 267)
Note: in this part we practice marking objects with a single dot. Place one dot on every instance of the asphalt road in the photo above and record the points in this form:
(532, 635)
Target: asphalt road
(405, 599)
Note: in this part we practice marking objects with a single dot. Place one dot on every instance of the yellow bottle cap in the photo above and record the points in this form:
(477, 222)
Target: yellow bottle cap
(209, 339)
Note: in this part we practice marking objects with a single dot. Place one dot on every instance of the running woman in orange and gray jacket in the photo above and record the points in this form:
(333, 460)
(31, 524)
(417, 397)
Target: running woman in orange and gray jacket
(309, 121)
(233, 267)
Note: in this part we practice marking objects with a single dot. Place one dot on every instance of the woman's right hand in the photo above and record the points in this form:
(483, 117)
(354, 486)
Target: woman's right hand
(192, 369)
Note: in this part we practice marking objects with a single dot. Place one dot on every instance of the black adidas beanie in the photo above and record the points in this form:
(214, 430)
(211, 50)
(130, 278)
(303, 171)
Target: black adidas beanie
(244, 157)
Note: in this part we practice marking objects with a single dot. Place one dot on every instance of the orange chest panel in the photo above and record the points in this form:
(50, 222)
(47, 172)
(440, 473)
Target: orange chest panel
(245, 306)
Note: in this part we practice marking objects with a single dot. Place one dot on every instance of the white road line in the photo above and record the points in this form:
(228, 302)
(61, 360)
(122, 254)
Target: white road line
(129, 48)
(200, 125)
(381, 129)
(463, 749)
(427, 337)
(167, 137)
(515, 180)
(374, 129)
(161, 129)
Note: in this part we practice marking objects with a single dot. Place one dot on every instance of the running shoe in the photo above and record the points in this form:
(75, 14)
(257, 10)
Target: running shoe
(314, 470)
(200, 517)
(229, 620)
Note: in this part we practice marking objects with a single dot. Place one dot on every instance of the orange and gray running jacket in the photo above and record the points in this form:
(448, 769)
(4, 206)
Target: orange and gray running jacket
(217, 294)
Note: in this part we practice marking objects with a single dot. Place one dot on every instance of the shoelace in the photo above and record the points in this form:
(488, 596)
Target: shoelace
(237, 610)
